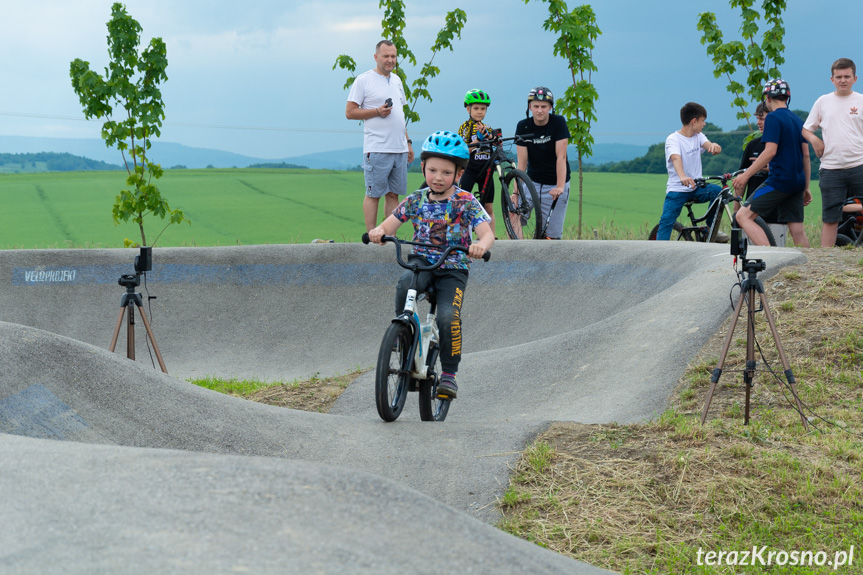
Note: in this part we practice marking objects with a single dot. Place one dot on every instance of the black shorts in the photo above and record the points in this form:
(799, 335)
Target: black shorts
(788, 207)
(477, 173)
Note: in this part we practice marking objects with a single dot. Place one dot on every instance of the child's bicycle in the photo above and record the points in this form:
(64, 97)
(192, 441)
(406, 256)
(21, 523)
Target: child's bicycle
(409, 356)
(697, 231)
(522, 216)
(850, 231)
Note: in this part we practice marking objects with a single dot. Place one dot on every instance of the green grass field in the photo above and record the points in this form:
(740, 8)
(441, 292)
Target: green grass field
(258, 206)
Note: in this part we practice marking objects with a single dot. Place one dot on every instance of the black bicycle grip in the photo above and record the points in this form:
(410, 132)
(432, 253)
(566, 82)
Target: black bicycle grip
(486, 256)
(366, 239)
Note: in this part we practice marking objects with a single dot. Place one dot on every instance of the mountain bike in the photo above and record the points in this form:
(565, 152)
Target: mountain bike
(850, 230)
(518, 193)
(698, 231)
(409, 357)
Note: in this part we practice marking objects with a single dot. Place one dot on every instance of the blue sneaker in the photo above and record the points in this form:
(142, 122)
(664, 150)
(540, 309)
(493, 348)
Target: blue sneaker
(447, 386)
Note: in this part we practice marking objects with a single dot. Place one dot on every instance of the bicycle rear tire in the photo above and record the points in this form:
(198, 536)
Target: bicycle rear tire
(432, 407)
(392, 376)
(522, 218)
(678, 227)
(759, 221)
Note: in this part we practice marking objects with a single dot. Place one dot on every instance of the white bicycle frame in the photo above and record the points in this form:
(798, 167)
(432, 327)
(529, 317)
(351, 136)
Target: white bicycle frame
(426, 334)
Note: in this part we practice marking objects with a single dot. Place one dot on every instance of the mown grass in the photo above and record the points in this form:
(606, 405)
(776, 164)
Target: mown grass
(647, 498)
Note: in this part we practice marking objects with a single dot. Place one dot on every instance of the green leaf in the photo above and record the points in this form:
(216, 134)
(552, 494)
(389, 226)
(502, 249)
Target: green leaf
(750, 58)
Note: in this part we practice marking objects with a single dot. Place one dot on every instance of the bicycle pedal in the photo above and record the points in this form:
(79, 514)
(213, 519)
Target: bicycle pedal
(446, 397)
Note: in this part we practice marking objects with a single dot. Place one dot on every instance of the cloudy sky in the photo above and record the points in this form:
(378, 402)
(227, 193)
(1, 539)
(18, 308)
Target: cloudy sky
(256, 78)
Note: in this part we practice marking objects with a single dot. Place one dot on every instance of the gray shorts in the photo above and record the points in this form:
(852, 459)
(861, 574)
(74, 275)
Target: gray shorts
(555, 225)
(836, 186)
(385, 173)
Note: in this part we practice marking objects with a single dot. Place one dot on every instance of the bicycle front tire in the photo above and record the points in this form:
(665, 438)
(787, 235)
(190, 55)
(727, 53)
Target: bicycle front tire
(843, 240)
(522, 211)
(392, 376)
(432, 407)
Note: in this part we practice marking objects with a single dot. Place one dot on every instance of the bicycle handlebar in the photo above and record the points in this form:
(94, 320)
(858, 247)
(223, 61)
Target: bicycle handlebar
(498, 140)
(724, 178)
(449, 249)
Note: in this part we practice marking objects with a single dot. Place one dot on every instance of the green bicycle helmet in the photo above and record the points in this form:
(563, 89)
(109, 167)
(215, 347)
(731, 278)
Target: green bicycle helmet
(541, 94)
(477, 97)
(448, 145)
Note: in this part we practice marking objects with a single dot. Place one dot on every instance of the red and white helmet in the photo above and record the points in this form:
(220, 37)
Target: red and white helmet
(776, 87)
(541, 94)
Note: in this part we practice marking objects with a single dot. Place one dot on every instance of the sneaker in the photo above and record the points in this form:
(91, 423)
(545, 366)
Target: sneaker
(721, 238)
(447, 386)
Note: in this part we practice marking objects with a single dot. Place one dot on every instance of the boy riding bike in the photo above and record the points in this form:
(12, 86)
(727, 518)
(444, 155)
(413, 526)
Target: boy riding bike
(683, 151)
(474, 130)
(444, 215)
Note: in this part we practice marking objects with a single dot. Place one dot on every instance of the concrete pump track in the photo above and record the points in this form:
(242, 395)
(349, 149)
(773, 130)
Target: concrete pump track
(109, 465)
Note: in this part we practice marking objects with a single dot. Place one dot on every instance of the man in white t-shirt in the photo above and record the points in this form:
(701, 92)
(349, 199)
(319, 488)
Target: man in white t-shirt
(683, 151)
(839, 114)
(377, 97)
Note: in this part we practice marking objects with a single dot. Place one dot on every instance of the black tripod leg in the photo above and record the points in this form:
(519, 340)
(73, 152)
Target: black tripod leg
(117, 329)
(152, 340)
(789, 375)
(714, 380)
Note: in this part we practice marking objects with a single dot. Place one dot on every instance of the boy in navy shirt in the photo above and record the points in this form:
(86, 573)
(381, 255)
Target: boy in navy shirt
(787, 186)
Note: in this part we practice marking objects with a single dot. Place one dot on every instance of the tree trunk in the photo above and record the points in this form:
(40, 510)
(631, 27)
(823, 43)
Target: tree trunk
(580, 184)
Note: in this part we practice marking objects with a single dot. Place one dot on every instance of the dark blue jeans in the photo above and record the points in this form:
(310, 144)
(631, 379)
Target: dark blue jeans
(674, 204)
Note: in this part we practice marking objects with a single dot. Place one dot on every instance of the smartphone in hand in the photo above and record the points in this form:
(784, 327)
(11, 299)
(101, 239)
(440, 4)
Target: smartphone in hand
(389, 103)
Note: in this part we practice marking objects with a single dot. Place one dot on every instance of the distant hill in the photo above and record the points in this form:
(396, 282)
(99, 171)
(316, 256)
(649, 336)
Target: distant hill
(50, 162)
(169, 154)
(607, 153)
(166, 153)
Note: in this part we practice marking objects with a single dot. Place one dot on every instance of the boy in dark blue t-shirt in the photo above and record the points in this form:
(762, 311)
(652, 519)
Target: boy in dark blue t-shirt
(787, 186)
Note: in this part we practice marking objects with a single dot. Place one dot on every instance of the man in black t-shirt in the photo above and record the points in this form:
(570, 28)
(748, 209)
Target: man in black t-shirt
(544, 157)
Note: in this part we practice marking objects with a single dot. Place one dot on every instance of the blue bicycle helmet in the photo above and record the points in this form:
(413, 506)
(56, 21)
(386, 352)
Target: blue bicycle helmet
(448, 145)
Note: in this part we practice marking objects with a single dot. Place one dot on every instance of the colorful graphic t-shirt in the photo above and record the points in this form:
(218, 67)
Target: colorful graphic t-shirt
(471, 133)
(450, 222)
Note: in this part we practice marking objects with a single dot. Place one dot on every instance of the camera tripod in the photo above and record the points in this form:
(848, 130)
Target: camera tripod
(127, 306)
(748, 288)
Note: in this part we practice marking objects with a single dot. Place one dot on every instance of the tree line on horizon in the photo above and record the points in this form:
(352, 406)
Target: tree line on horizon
(51, 162)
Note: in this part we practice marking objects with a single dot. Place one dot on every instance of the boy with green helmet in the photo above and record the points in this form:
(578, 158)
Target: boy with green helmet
(474, 130)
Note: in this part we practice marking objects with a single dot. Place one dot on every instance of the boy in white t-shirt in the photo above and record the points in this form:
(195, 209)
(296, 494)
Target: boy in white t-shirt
(839, 115)
(683, 151)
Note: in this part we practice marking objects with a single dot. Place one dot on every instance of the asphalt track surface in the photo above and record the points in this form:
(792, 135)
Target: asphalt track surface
(108, 465)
